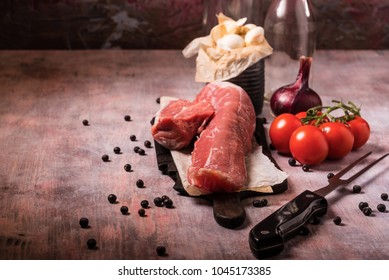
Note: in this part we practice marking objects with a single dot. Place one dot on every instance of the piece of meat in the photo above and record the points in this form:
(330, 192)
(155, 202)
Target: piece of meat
(218, 157)
(180, 121)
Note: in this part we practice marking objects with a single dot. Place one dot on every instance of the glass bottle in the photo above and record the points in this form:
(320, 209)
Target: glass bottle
(291, 32)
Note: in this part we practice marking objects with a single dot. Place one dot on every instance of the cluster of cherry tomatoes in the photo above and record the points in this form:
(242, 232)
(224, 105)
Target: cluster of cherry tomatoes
(315, 135)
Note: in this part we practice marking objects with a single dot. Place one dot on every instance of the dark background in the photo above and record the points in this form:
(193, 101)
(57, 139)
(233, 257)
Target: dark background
(168, 24)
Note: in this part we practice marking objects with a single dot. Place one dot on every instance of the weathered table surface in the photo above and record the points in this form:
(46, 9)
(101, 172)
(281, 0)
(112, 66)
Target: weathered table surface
(51, 172)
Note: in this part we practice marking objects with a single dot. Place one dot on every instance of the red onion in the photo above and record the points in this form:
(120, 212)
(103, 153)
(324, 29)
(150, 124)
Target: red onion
(296, 97)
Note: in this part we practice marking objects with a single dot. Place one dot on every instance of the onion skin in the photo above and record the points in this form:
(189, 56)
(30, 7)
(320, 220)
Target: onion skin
(298, 96)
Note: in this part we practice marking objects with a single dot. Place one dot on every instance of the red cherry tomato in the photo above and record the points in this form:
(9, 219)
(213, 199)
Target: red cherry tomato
(281, 129)
(361, 130)
(339, 137)
(308, 145)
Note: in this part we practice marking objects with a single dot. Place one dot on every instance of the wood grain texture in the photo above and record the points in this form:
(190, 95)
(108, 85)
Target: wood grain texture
(51, 172)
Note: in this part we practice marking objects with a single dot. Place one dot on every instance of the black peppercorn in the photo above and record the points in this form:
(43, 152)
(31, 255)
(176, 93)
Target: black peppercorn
(384, 196)
(257, 203)
(85, 122)
(152, 121)
(127, 118)
(124, 210)
(112, 198)
(84, 222)
(140, 183)
(168, 203)
(141, 152)
(357, 189)
(147, 144)
(141, 212)
(161, 250)
(105, 158)
(91, 243)
(158, 100)
(144, 203)
(367, 211)
(158, 201)
(292, 162)
(330, 175)
(127, 167)
(305, 167)
(132, 137)
(136, 149)
(381, 207)
(363, 205)
(337, 220)
(116, 150)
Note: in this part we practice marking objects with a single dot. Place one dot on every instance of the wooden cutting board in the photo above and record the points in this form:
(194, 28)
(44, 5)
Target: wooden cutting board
(227, 208)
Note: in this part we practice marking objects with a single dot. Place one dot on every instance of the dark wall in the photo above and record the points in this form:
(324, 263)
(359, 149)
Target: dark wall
(167, 24)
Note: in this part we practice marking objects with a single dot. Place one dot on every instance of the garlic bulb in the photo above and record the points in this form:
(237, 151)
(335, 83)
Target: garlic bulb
(230, 42)
(255, 36)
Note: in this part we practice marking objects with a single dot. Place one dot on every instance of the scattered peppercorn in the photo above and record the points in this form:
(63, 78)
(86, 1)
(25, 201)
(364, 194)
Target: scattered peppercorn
(141, 152)
(161, 250)
(127, 167)
(147, 144)
(140, 183)
(158, 201)
(116, 150)
(367, 211)
(363, 205)
(292, 162)
(136, 149)
(132, 137)
(168, 203)
(330, 175)
(259, 202)
(152, 121)
(381, 207)
(305, 167)
(127, 118)
(164, 197)
(357, 189)
(384, 196)
(105, 158)
(144, 203)
(158, 100)
(124, 210)
(91, 243)
(141, 212)
(85, 122)
(84, 222)
(337, 220)
(112, 198)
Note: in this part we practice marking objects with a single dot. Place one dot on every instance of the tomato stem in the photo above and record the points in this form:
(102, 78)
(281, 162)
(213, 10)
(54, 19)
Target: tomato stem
(320, 114)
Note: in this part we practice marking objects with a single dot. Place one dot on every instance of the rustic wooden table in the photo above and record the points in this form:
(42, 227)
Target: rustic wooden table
(51, 172)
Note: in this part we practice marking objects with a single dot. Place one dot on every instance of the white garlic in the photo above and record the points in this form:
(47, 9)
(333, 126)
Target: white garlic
(250, 26)
(255, 36)
(230, 42)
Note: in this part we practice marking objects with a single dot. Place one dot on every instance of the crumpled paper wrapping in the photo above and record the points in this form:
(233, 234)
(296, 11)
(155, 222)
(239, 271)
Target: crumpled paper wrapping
(262, 174)
(214, 63)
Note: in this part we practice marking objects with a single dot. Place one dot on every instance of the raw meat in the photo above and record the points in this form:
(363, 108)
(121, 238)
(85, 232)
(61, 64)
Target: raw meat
(180, 121)
(218, 157)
